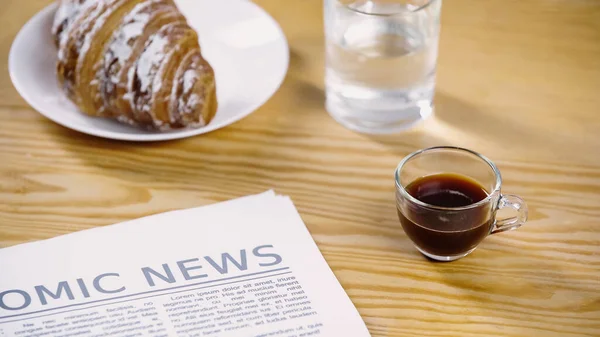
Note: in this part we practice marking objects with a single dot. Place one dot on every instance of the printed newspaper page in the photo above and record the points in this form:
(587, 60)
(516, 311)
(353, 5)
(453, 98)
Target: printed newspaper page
(246, 267)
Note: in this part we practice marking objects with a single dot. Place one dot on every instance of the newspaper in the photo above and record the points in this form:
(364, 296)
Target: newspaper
(245, 267)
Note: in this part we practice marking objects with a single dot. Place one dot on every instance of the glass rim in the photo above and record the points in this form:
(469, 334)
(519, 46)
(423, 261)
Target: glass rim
(416, 10)
(414, 200)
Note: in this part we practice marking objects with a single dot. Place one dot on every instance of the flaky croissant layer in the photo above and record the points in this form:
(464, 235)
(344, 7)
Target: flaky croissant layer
(137, 61)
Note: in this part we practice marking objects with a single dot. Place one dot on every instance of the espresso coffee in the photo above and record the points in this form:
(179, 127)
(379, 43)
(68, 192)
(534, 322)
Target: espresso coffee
(446, 232)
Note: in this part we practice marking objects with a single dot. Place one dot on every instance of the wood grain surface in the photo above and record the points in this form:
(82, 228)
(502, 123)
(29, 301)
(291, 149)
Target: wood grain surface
(518, 81)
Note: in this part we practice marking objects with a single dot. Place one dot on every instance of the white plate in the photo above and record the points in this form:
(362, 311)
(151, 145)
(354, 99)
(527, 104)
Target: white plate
(244, 45)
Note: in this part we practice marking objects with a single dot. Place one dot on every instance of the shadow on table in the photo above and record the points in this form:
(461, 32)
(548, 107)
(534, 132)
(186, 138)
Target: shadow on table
(458, 123)
(300, 91)
(443, 128)
(493, 273)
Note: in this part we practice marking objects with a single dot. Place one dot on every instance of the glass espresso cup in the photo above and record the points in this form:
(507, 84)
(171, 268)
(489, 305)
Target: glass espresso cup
(447, 199)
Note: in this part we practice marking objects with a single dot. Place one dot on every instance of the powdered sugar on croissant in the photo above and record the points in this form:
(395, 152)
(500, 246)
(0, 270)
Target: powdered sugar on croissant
(137, 61)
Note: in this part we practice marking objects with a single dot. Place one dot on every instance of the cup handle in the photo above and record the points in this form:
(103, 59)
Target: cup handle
(514, 222)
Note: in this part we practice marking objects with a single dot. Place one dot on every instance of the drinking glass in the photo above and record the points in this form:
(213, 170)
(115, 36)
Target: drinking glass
(449, 233)
(380, 62)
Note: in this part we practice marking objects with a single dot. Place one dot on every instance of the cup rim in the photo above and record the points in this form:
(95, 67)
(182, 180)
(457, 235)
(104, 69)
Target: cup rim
(416, 10)
(414, 200)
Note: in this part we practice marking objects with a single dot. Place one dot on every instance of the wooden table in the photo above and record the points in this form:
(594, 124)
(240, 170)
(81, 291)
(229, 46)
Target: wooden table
(518, 81)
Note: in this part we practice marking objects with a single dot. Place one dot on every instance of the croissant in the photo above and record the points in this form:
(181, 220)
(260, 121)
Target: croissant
(136, 61)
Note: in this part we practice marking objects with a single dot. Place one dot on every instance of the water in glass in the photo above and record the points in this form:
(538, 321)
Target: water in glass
(381, 60)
